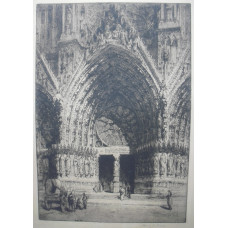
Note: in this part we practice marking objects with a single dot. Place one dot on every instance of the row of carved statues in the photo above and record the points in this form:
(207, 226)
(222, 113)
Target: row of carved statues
(162, 164)
(79, 151)
(77, 166)
(128, 38)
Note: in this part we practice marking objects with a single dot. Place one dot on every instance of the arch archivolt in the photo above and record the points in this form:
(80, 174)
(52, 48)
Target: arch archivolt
(90, 92)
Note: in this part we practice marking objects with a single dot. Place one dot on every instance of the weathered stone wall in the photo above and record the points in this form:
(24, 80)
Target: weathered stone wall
(106, 60)
(157, 173)
(76, 168)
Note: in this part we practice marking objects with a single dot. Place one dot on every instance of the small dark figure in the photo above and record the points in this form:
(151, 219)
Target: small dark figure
(84, 200)
(71, 202)
(80, 204)
(63, 201)
(128, 191)
(122, 193)
(169, 200)
(75, 203)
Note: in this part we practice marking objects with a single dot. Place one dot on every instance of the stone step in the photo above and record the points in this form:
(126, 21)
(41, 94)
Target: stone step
(116, 196)
(127, 201)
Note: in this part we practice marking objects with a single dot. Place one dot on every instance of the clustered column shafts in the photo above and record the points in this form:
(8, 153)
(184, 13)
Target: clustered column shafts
(63, 18)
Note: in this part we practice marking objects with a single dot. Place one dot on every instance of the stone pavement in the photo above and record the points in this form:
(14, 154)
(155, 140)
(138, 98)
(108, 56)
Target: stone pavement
(108, 208)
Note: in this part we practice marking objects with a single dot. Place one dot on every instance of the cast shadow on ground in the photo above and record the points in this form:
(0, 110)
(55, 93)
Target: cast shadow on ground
(165, 207)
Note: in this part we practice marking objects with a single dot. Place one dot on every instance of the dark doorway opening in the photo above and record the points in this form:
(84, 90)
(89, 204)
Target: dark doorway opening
(127, 171)
(106, 163)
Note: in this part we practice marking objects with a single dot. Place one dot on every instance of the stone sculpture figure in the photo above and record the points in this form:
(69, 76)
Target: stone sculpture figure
(72, 165)
(92, 166)
(135, 43)
(186, 167)
(174, 164)
(156, 164)
(170, 164)
(57, 160)
(87, 166)
(163, 162)
(68, 21)
(40, 166)
(183, 167)
(81, 166)
(123, 37)
(108, 34)
(116, 166)
(178, 162)
(76, 170)
(67, 165)
(62, 165)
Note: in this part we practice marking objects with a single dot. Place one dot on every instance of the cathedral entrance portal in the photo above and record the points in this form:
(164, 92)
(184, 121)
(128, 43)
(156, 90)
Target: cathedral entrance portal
(106, 169)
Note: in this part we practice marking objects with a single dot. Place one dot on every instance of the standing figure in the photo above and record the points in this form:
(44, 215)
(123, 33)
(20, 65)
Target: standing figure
(62, 165)
(57, 159)
(76, 170)
(182, 166)
(87, 166)
(84, 200)
(71, 202)
(80, 203)
(156, 164)
(108, 34)
(92, 167)
(178, 162)
(170, 164)
(163, 162)
(169, 200)
(68, 165)
(128, 188)
(122, 193)
(63, 201)
(81, 166)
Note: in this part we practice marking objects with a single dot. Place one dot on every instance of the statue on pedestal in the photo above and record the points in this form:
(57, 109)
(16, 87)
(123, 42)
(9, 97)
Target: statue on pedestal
(178, 162)
(186, 167)
(68, 165)
(92, 167)
(69, 22)
(156, 164)
(170, 164)
(108, 34)
(116, 165)
(87, 166)
(163, 162)
(57, 159)
(81, 166)
(183, 167)
(123, 37)
(76, 166)
(62, 165)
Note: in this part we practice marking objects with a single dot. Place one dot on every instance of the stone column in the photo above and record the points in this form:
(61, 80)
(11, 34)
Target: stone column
(53, 26)
(63, 18)
(57, 161)
(38, 26)
(116, 173)
(175, 11)
(162, 12)
(96, 168)
(156, 165)
(45, 27)
(73, 19)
